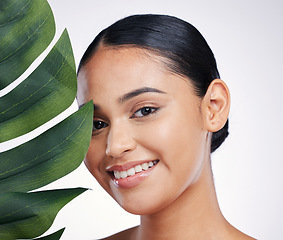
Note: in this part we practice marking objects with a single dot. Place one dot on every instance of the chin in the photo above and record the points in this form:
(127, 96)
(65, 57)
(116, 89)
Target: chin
(140, 210)
(141, 205)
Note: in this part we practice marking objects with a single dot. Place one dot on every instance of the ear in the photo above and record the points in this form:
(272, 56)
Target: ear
(216, 105)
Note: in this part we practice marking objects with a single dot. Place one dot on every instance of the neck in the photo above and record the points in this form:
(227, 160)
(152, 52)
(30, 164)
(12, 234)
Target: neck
(195, 214)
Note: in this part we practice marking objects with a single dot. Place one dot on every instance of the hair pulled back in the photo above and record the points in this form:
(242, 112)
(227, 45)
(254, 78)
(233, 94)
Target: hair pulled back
(181, 44)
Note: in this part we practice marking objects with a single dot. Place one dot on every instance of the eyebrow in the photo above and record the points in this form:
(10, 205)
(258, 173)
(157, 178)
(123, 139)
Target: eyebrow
(131, 95)
(137, 92)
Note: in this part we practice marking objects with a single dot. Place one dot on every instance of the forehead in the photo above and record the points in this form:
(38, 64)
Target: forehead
(122, 61)
(119, 70)
(117, 67)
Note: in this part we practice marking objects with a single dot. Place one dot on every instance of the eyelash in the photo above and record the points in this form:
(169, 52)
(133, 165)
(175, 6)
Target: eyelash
(146, 108)
(101, 124)
(95, 130)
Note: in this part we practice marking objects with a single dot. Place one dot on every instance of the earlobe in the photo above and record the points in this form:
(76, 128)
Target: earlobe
(216, 105)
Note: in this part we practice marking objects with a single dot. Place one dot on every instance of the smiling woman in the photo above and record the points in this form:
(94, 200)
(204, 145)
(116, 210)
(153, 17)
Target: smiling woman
(160, 109)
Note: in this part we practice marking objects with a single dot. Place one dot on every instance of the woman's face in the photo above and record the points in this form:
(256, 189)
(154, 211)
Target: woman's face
(148, 141)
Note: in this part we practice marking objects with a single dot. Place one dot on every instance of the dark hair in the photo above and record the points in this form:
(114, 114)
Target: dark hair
(181, 44)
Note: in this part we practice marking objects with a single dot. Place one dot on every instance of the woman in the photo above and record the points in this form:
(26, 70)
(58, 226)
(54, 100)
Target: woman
(160, 109)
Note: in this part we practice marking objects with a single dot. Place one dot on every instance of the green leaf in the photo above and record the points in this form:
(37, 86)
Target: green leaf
(26, 29)
(53, 236)
(49, 90)
(22, 25)
(25, 215)
(48, 157)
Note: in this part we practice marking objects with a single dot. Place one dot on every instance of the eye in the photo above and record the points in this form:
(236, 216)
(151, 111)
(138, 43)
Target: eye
(143, 112)
(97, 125)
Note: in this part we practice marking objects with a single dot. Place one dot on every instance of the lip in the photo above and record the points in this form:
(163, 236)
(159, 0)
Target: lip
(126, 166)
(131, 181)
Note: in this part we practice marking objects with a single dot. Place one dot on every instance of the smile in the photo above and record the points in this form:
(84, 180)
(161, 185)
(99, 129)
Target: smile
(134, 170)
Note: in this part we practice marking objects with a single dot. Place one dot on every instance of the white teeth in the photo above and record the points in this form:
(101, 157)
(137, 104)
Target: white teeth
(132, 171)
(123, 174)
(145, 166)
(117, 174)
(138, 168)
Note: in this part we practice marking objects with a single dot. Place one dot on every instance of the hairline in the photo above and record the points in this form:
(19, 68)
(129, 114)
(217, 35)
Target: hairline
(158, 56)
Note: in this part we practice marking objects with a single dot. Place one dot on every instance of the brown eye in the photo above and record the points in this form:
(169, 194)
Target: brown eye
(97, 125)
(145, 111)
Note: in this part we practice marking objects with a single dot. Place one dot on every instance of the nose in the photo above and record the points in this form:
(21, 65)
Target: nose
(119, 141)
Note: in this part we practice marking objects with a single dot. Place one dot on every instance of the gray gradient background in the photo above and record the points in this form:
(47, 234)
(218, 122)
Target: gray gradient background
(246, 38)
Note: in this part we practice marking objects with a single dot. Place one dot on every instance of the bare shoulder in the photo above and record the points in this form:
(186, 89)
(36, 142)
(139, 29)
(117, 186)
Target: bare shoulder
(250, 238)
(241, 236)
(124, 235)
(246, 237)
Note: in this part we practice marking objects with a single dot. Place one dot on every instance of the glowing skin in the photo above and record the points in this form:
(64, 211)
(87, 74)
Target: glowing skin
(145, 114)
(171, 134)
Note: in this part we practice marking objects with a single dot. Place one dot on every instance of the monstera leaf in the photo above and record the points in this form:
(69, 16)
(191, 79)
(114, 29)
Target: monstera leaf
(27, 28)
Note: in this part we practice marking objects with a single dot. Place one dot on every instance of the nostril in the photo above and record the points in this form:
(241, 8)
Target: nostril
(118, 152)
(118, 143)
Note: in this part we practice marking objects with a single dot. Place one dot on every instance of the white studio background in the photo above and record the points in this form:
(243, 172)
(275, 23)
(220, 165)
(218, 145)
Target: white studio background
(246, 38)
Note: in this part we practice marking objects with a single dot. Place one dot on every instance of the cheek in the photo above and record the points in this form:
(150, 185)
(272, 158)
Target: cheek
(174, 134)
(94, 159)
(179, 141)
